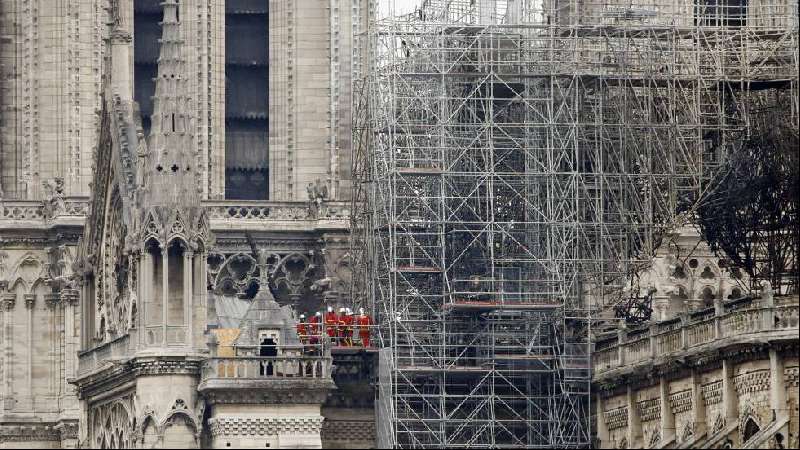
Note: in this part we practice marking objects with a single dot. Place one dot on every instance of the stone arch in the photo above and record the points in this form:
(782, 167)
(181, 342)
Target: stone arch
(179, 427)
(749, 428)
(150, 433)
(655, 438)
(687, 433)
(29, 269)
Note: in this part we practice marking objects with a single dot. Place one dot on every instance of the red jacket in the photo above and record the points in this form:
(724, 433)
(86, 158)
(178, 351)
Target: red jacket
(331, 323)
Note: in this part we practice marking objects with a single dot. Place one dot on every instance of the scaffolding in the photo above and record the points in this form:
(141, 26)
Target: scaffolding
(516, 162)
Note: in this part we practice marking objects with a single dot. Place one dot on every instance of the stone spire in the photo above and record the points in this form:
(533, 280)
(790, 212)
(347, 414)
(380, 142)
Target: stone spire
(170, 201)
(172, 178)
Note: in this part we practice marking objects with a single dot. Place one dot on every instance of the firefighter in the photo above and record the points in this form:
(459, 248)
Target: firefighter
(332, 325)
(347, 327)
(314, 328)
(302, 330)
(364, 323)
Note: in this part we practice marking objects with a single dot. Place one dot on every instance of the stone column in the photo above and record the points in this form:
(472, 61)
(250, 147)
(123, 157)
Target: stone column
(698, 405)
(51, 301)
(145, 294)
(188, 298)
(634, 420)
(9, 301)
(777, 386)
(667, 416)
(164, 292)
(730, 400)
(602, 428)
(30, 303)
(69, 298)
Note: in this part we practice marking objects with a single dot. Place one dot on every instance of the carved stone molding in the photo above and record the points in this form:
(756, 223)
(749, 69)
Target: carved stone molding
(8, 301)
(752, 381)
(616, 418)
(650, 409)
(712, 392)
(267, 392)
(348, 430)
(681, 401)
(260, 426)
(28, 433)
(30, 300)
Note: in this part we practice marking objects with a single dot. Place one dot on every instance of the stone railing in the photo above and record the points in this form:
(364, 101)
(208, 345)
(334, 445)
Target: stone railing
(266, 211)
(267, 367)
(259, 211)
(120, 348)
(38, 210)
(689, 332)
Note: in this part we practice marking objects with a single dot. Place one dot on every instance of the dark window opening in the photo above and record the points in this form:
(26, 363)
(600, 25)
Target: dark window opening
(246, 184)
(146, 32)
(720, 13)
(246, 100)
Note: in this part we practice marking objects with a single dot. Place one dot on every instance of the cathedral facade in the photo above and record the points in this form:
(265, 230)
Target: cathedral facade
(175, 193)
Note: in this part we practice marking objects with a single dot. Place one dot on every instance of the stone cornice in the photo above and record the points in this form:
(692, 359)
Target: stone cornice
(266, 391)
(116, 373)
(28, 433)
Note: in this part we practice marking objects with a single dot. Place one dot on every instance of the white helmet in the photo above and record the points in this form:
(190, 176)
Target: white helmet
(342, 310)
(330, 308)
(349, 311)
(318, 314)
(361, 311)
(302, 316)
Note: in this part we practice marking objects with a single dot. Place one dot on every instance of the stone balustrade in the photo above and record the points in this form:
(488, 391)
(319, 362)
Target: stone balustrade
(258, 211)
(266, 367)
(738, 319)
(38, 210)
(265, 211)
(97, 357)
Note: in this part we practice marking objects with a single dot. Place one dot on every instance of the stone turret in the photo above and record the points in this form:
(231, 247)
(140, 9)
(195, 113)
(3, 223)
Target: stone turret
(172, 225)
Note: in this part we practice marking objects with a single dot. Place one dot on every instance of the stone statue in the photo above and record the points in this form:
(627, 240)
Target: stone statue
(53, 201)
(317, 195)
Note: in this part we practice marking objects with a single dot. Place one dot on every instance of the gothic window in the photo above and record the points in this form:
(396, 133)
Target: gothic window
(708, 297)
(750, 429)
(154, 309)
(246, 99)
(175, 305)
(707, 273)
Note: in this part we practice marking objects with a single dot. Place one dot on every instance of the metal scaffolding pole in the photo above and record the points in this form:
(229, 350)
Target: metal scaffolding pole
(516, 161)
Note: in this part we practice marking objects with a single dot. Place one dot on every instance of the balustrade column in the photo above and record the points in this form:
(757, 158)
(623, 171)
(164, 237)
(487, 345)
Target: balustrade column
(652, 337)
(684, 331)
(719, 311)
(620, 351)
(188, 304)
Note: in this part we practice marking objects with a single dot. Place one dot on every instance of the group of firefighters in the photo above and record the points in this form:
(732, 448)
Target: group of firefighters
(338, 327)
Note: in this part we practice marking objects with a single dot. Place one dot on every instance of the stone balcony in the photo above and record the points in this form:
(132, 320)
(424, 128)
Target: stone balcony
(696, 335)
(266, 379)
